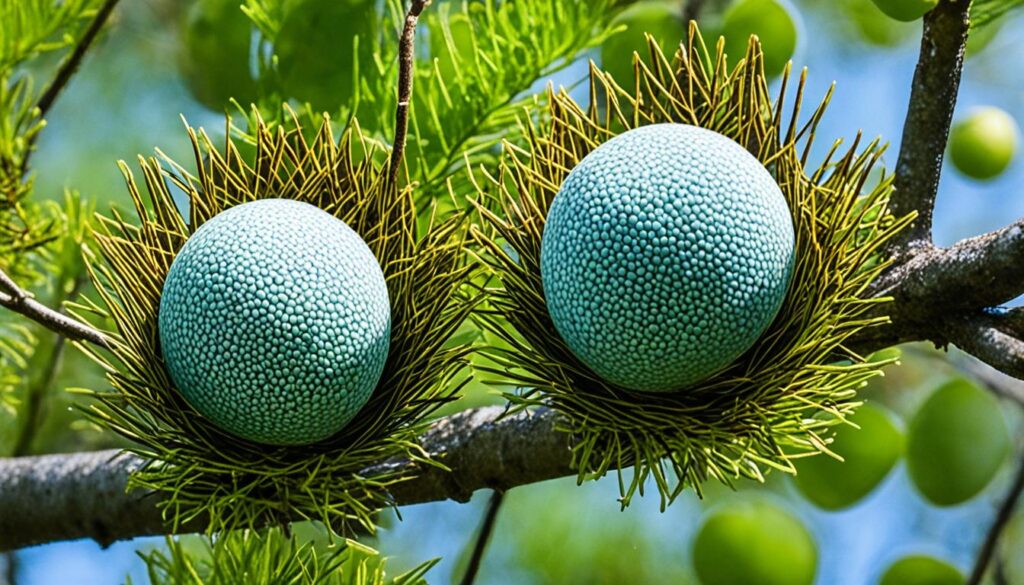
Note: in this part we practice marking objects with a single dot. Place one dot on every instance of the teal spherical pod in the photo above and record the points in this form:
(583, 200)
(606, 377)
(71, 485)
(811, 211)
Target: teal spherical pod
(275, 322)
(665, 255)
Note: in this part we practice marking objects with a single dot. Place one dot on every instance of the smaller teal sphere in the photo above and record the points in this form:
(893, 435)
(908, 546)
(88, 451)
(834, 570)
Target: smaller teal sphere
(275, 322)
(666, 254)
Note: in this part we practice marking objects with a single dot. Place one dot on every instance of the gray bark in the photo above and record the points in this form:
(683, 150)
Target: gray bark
(83, 495)
(940, 295)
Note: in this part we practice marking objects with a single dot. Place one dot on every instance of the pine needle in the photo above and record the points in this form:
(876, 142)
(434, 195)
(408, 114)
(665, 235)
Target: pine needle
(778, 400)
(205, 473)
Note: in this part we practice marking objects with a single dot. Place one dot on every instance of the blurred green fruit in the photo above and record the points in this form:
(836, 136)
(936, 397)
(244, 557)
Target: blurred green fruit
(214, 56)
(921, 570)
(660, 20)
(983, 144)
(906, 10)
(771, 21)
(316, 49)
(874, 27)
(754, 542)
(956, 443)
(869, 453)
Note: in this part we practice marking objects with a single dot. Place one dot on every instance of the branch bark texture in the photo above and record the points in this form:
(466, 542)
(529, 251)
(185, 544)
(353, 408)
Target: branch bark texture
(406, 70)
(929, 114)
(20, 301)
(82, 495)
(944, 295)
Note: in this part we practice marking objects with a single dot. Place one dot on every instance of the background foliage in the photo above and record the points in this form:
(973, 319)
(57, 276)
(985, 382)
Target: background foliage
(131, 88)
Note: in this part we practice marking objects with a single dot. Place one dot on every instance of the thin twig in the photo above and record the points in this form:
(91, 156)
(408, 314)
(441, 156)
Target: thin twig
(1003, 516)
(997, 382)
(34, 401)
(999, 575)
(10, 568)
(37, 392)
(1001, 384)
(929, 114)
(406, 68)
(10, 287)
(18, 300)
(68, 67)
(483, 537)
(692, 10)
(982, 337)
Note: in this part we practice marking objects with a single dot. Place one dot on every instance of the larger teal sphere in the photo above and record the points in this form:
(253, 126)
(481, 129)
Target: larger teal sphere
(275, 322)
(666, 254)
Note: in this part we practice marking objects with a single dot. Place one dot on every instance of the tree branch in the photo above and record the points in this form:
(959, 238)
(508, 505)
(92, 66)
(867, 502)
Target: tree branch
(941, 295)
(82, 495)
(68, 67)
(37, 391)
(406, 69)
(483, 537)
(1000, 384)
(947, 295)
(929, 114)
(57, 497)
(1003, 516)
(692, 10)
(978, 272)
(20, 301)
(984, 337)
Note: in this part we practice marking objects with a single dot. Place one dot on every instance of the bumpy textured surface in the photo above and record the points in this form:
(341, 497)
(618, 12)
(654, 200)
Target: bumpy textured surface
(665, 255)
(275, 322)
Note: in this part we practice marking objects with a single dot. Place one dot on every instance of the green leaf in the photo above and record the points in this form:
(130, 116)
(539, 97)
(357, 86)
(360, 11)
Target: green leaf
(985, 12)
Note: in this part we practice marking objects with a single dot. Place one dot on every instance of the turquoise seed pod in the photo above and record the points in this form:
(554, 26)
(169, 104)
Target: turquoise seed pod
(666, 254)
(275, 322)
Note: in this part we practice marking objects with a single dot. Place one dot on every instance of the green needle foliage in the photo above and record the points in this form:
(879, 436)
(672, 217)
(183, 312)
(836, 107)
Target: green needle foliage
(31, 27)
(23, 226)
(476, 61)
(16, 345)
(985, 12)
(28, 29)
(270, 558)
(226, 482)
(777, 401)
(483, 56)
(27, 357)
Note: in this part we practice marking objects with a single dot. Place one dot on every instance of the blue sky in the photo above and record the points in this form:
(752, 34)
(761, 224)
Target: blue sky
(871, 95)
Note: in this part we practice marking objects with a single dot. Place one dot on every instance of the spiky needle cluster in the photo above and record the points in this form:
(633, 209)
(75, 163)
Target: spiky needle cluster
(777, 401)
(270, 557)
(214, 478)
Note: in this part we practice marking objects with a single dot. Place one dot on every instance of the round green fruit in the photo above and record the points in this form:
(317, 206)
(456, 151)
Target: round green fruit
(316, 49)
(666, 254)
(275, 322)
(660, 20)
(956, 443)
(874, 26)
(921, 570)
(773, 24)
(868, 453)
(214, 53)
(754, 542)
(984, 143)
(906, 10)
